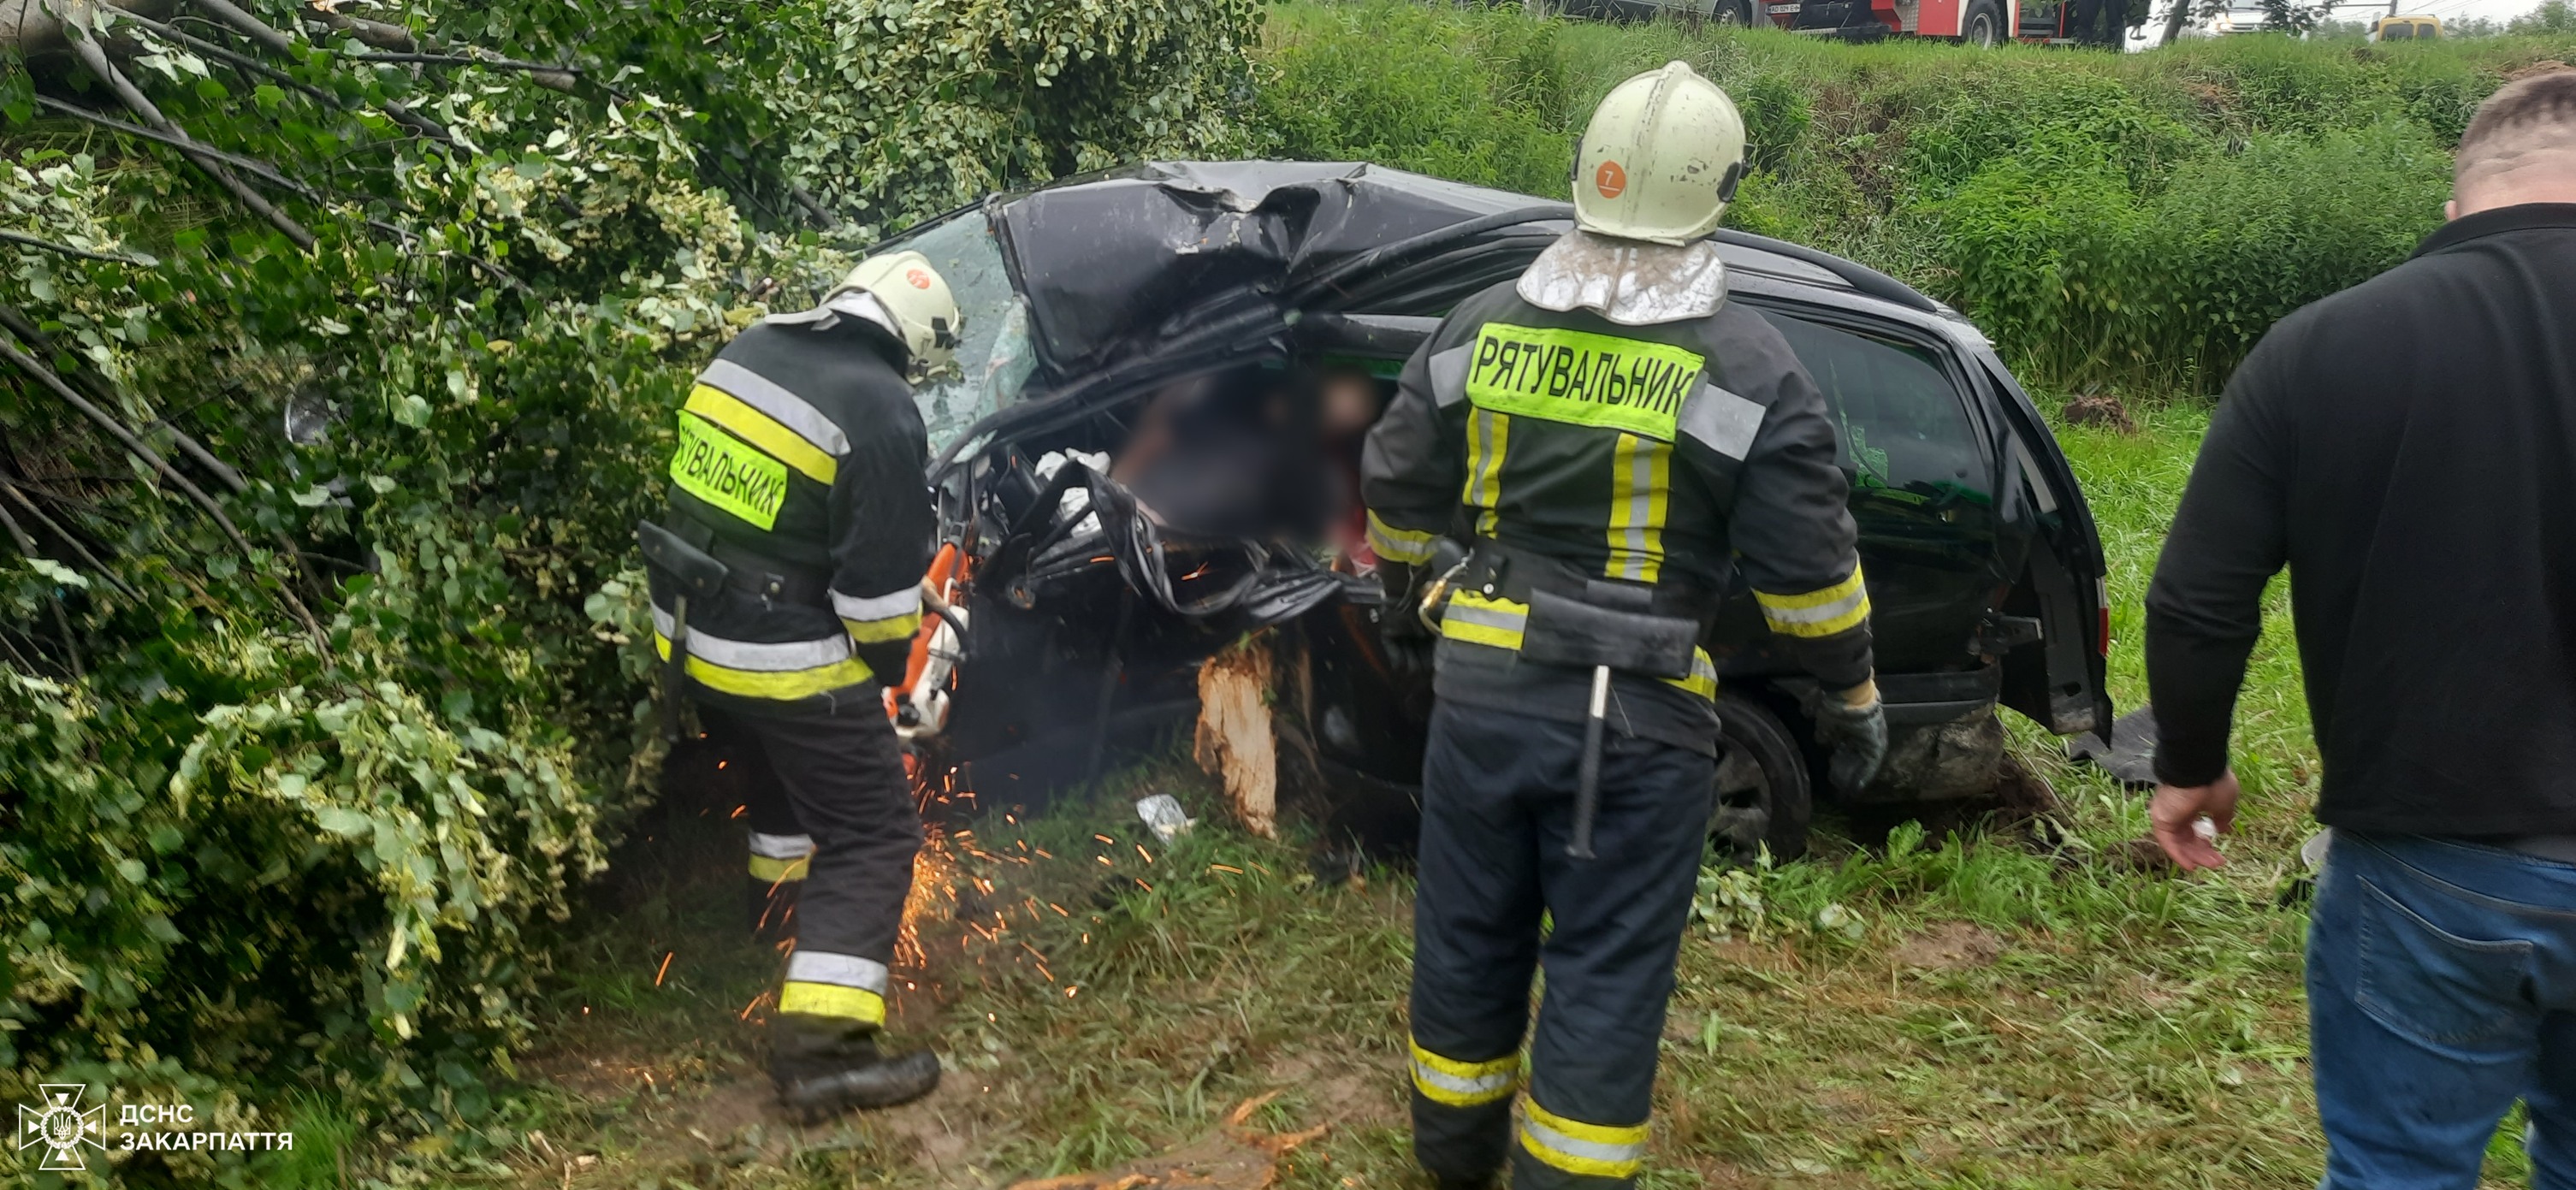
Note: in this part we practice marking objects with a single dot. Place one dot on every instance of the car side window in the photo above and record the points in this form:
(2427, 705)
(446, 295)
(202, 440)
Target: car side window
(1904, 429)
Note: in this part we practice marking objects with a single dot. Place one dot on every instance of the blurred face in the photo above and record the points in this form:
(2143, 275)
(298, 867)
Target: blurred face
(1349, 401)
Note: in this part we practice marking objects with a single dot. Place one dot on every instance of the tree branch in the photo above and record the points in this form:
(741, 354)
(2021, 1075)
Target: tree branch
(228, 54)
(26, 330)
(19, 494)
(257, 168)
(62, 621)
(86, 47)
(196, 495)
(259, 31)
(374, 33)
(249, 26)
(462, 60)
(813, 207)
(16, 237)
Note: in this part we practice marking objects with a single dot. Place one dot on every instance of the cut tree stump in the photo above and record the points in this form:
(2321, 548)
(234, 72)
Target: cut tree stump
(1236, 740)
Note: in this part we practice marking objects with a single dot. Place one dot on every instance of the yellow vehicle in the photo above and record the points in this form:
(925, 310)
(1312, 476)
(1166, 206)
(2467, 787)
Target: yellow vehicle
(2406, 29)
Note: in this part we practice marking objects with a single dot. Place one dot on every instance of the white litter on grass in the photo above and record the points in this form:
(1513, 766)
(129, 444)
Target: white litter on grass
(1164, 816)
(2313, 852)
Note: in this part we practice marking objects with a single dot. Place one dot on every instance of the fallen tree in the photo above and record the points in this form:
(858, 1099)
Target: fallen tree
(337, 357)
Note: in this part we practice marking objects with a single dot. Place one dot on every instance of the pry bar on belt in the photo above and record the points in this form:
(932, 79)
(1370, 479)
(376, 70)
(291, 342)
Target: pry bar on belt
(675, 669)
(694, 571)
(1587, 782)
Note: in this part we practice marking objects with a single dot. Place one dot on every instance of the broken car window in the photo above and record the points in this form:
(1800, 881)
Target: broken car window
(994, 359)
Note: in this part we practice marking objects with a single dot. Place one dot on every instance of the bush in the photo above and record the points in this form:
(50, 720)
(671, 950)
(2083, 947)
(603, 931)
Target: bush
(2052, 251)
(288, 799)
(1472, 95)
(2108, 218)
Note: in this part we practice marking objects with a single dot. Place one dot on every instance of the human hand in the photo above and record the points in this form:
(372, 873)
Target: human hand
(1407, 640)
(1852, 725)
(2177, 811)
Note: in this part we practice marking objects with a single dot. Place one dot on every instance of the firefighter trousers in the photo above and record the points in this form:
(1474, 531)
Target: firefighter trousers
(780, 850)
(836, 767)
(1497, 808)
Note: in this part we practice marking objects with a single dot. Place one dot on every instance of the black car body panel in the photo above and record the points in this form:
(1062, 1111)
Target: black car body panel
(1984, 567)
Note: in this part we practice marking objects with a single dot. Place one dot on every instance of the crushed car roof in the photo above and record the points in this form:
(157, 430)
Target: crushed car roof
(1115, 266)
(1105, 259)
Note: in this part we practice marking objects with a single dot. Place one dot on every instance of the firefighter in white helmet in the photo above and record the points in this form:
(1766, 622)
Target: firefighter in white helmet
(786, 580)
(1617, 446)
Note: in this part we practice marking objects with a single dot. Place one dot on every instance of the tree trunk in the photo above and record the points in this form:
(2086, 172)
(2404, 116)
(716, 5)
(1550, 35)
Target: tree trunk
(1235, 740)
(33, 26)
(2175, 20)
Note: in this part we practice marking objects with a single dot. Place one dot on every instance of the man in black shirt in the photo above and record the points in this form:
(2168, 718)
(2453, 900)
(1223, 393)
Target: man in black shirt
(2408, 448)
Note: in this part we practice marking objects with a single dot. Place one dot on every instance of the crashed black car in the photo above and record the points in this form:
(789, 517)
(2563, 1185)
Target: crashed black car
(1149, 450)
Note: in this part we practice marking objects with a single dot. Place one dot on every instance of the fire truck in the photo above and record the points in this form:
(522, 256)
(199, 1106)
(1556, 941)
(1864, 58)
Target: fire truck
(1975, 22)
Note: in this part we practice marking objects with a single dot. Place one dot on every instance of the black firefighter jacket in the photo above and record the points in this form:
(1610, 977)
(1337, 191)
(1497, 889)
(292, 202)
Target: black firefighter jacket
(2403, 447)
(1683, 452)
(801, 445)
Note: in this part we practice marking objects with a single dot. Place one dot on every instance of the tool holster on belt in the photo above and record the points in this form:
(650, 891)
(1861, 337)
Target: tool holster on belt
(697, 575)
(1598, 624)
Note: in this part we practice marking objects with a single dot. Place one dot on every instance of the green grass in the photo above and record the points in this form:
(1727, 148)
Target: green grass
(1101, 1000)
(2130, 1029)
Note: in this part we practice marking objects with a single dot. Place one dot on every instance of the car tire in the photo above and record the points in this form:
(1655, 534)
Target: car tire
(1763, 796)
(1736, 13)
(1983, 25)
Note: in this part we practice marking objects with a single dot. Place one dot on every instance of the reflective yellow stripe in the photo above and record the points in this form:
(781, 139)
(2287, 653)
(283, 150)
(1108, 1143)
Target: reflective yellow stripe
(833, 1000)
(1488, 439)
(868, 632)
(772, 684)
(1640, 498)
(761, 430)
(1594, 1150)
(1398, 545)
(778, 871)
(1478, 620)
(1823, 612)
(1464, 1084)
(1703, 675)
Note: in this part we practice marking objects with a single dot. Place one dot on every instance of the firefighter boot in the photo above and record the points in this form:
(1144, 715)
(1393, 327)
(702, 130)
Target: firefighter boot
(823, 1068)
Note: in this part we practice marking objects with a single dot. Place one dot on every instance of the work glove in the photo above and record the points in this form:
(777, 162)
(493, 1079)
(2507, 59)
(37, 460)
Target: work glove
(1852, 726)
(1408, 640)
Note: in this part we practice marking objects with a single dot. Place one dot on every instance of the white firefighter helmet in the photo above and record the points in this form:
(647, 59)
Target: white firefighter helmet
(1660, 160)
(917, 298)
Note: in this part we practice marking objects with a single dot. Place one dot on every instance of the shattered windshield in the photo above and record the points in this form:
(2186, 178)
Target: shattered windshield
(994, 360)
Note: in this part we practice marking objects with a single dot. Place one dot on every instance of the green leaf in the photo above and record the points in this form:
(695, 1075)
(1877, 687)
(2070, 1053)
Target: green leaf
(58, 572)
(343, 822)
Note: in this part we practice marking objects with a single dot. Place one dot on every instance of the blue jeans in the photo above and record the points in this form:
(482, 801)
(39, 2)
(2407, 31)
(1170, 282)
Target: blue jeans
(2441, 988)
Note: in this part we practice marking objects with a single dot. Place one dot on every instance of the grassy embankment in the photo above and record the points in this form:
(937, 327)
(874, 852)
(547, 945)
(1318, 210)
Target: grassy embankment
(1984, 1012)
(1994, 1013)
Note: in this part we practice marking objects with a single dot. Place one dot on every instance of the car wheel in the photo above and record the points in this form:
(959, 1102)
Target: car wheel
(1983, 27)
(1738, 13)
(1763, 795)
